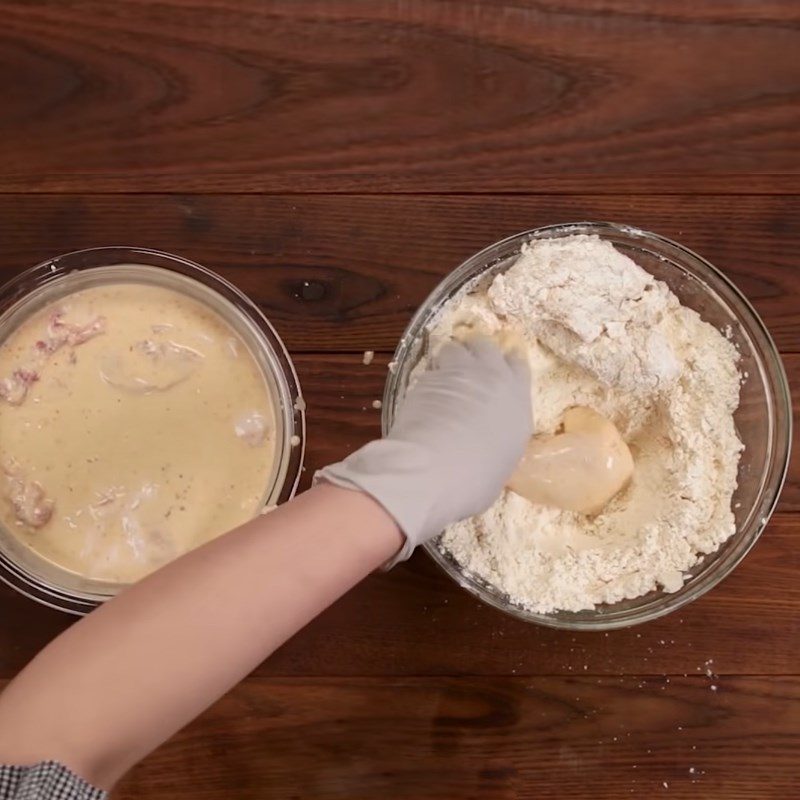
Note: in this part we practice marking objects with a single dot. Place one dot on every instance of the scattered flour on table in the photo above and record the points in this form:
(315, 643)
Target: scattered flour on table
(602, 332)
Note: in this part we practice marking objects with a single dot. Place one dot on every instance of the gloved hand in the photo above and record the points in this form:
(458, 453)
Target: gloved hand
(459, 434)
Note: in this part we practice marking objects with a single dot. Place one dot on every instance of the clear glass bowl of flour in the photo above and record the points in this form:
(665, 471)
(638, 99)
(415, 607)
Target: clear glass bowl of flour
(763, 419)
(241, 331)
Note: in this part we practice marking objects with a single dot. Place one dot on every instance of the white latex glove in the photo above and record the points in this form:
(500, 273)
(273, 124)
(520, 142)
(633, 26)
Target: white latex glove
(457, 437)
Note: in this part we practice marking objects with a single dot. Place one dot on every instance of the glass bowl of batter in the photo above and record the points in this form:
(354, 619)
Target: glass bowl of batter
(762, 420)
(146, 407)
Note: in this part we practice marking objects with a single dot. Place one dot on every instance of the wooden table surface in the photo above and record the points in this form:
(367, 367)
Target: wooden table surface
(335, 160)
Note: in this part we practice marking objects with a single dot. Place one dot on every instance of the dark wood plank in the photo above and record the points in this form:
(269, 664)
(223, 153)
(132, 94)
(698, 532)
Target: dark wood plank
(346, 273)
(416, 621)
(500, 739)
(446, 95)
(340, 391)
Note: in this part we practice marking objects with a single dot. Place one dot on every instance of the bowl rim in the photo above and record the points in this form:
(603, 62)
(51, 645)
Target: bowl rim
(667, 603)
(34, 278)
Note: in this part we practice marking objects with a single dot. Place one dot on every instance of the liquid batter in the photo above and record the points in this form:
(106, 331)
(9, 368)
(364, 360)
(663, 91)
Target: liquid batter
(135, 425)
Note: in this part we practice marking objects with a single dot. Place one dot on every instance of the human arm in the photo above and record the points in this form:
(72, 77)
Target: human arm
(125, 678)
(133, 672)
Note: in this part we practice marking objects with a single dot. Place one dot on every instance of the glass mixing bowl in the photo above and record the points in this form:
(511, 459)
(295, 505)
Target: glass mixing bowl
(763, 418)
(44, 581)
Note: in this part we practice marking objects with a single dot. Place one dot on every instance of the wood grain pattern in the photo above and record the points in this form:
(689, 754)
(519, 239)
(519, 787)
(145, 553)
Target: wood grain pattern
(346, 273)
(415, 622)
(499, 739)
(339, 391)
(759, 603)
(440, 95)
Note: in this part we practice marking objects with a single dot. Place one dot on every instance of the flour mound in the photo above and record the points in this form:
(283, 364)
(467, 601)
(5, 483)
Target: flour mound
(588, 303)
(602, 332)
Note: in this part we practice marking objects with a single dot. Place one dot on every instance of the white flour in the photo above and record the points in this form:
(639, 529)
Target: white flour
(603, 333)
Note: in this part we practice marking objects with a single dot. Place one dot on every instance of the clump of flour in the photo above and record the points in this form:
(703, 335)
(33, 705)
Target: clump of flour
(601, 332)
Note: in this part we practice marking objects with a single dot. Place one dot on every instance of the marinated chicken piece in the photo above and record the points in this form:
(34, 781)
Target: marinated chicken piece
(150, 366)
(61, 332)
(252, 428)
(14, 388)
(32, 506)
(579, 469)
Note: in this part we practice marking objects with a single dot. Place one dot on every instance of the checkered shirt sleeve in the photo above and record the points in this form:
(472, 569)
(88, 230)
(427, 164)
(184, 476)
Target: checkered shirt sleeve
(48, 780)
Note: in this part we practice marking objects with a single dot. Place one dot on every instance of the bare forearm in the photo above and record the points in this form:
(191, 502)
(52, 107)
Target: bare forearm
(124, 679)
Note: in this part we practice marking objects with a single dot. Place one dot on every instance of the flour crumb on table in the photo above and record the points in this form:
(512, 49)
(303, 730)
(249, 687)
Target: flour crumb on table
(602, 332)
(367, 358)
